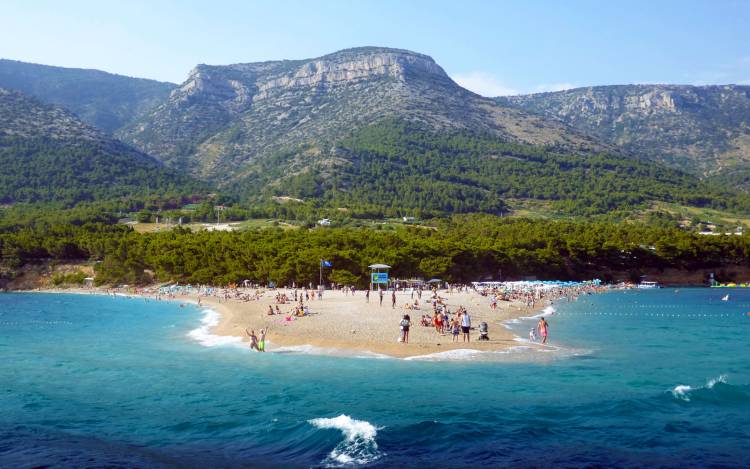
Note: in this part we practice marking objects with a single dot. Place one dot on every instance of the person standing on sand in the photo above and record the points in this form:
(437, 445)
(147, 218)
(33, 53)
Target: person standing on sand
(381, 296)
(393, 299)
(405, 323)
(437, 321)
(367, 296)
(253, 340)
(543, 329)
(466, 326)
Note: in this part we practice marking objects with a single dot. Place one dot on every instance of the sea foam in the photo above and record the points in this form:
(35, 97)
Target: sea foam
(683, 391)
(548, 311)
(359, 446)
(308, 349)
(203, 336)
(472, 354)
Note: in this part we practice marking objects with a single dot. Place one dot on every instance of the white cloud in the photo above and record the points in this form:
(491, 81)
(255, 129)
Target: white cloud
(545, 88)
(484, 84)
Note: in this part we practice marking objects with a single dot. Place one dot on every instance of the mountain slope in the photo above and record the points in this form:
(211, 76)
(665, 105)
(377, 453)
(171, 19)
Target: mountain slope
(224, 118)
(104, 100)
(47, 153)
(398, 168)
(705, 129)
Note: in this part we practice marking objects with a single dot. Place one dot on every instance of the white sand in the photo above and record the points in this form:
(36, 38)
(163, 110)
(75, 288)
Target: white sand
(349, 322)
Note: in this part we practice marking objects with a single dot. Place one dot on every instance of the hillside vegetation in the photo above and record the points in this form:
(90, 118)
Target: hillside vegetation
(103, 100)
(47, 154)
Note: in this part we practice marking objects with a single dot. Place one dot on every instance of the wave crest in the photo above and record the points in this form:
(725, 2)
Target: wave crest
(359, 446)
(203, 336)
(716, 390)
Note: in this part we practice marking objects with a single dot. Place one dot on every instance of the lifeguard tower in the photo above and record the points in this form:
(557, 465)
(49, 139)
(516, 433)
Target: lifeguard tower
(378, 275)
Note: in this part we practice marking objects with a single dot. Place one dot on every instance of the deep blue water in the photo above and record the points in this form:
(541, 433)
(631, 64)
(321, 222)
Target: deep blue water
(656, 378)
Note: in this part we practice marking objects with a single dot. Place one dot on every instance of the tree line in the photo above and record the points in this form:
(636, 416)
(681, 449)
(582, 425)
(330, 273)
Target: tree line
(459, 249)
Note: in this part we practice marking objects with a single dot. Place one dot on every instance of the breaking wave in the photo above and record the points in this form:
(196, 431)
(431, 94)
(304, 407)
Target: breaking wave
(359, 446)
(203, 336)
(716, 390)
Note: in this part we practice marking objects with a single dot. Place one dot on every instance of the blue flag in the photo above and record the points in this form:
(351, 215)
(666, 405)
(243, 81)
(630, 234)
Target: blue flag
(326, 264)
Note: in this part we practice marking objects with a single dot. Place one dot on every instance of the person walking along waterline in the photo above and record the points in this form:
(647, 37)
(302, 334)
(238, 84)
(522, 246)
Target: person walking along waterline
(466, 326)
(543, 329)
(262, 341)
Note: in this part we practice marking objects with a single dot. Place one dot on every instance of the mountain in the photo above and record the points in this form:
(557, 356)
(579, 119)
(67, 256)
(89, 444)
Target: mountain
(704, 129)
(224, 118)
(48, 154)
(386, 131)
(103, 100)
(378, 131)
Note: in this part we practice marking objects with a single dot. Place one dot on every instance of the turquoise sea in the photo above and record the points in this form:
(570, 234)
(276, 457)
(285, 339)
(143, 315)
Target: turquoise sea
(658, 378)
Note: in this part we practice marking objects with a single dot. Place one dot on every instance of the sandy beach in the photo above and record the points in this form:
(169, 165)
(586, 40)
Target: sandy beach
(348, 322)
(351, 325)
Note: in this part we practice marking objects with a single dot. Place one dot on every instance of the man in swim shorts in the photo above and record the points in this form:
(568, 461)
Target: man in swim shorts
(262, 342)
(466, 326)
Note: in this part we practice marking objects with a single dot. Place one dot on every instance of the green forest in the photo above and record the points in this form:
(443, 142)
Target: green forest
(44, 170)
(459, 249)
(397, 168)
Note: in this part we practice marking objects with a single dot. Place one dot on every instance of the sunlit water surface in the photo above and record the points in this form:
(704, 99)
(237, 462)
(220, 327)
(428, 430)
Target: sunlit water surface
(649, 377)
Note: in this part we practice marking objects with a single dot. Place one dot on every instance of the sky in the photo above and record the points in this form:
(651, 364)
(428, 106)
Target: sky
(491, 47)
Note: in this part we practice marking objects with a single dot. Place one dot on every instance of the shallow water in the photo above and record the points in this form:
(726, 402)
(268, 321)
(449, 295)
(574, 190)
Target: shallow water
(649, 377)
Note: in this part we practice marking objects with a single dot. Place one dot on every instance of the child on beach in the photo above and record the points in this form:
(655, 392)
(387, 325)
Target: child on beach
(455, 329)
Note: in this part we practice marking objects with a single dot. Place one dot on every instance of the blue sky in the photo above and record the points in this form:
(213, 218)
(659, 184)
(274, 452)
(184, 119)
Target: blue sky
(491, 47)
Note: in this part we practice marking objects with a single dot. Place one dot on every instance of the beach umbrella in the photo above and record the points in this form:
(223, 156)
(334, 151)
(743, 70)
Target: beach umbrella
(434, 280)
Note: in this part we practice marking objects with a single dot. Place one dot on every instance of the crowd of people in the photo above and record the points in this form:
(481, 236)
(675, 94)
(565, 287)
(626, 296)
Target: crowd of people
(438, 315)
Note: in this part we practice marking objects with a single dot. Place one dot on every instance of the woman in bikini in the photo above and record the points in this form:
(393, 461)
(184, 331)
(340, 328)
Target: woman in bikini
(253, 340)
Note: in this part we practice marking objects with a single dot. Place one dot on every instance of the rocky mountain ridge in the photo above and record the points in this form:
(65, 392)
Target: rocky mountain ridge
(224, 118)
(24, 117)
(705, 129)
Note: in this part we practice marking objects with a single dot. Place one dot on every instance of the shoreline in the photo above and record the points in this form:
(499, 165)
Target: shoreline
(347, 326)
